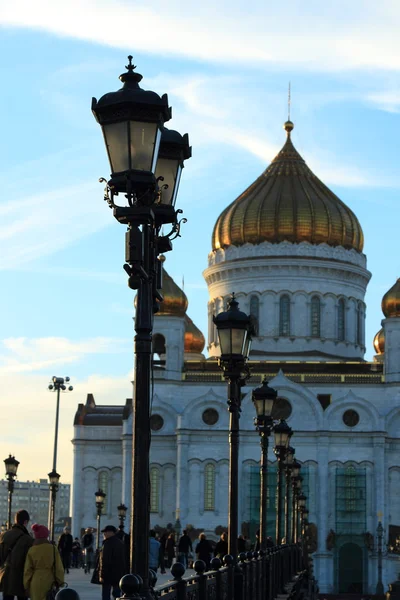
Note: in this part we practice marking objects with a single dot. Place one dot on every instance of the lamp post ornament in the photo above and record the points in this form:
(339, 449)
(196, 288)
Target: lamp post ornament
(379, 585)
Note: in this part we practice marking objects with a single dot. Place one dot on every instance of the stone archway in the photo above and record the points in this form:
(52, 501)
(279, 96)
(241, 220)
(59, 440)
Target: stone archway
(351, 569)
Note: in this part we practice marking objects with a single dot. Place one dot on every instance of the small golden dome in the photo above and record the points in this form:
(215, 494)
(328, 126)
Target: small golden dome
(288, 202)
(175, 301)
(379, 342)
(391, 301)
(194, 339)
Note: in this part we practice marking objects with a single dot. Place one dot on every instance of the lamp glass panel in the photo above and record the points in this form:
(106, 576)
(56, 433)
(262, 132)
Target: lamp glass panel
(100, 497)
(144, 145)
(11, 467)
(247, 345)
(116, 138)
(167, 168)
(225, 340)
(238, 339)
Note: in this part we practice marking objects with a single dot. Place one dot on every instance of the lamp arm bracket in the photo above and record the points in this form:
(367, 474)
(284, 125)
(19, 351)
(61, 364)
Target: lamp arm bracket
(176, 227)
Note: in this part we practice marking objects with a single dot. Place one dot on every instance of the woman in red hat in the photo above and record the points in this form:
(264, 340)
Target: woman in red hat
(43, 565)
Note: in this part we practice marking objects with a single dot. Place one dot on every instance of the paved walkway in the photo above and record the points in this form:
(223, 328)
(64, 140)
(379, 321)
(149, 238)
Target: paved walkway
(78, 581)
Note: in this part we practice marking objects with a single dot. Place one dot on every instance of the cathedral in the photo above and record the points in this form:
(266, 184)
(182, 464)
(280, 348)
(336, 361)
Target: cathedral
(292, 252)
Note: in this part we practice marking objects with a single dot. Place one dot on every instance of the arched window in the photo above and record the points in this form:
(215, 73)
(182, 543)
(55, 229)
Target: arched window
(359, 324)
(154, 490)
(158, 344)
(255, 312)
(315, 317)
(284, 315)
(103, 485)
(209, 487)
(341, 333)
(350, 489)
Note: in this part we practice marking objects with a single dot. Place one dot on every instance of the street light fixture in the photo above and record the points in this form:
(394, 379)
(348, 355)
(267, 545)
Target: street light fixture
(264, 399)
(234, 334)
(122, 509)
(282, 433)
(100, 496)
(296, 466)
(58, 384)
(132, 121)
(289, 460)
(11, 465)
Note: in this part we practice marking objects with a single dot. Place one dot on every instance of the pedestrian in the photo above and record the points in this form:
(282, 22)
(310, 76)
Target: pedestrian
(270, 542)
(161, 560)
(43, 565)
(87, 548)
(204, 550)
(184, 547)
(154, 551)
(241, 544)
(170, 549)
(76, 552)
(65, 547)
(14, 546)
(257, 545)
(110, 565)
(221, 548)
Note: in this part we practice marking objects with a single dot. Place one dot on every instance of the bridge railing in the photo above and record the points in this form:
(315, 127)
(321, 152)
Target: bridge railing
(255, 576)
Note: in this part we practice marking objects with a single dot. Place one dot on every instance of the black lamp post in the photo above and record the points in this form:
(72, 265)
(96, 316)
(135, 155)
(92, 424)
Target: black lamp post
(57, 385)
(122, 509)
(282, 433)
(301, 502)
(264, 398)
(234, 333)
(142, 153)
(295, 471)
(11, 472)
(379, 586)
(100, 495)
(54, 480)
(289, 460)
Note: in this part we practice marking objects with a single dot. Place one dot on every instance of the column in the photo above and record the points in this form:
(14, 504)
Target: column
(127, 466)
(323, 557)
(77, 491)
(182, 475)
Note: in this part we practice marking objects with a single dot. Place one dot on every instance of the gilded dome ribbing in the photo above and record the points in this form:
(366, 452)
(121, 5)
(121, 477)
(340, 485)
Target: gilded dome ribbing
(288, 202)
(194, 339)
(391, 301)
(379, 342)
(175, 300)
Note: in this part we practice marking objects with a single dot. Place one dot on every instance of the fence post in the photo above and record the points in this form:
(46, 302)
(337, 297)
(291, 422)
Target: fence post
(129, 584)
(178, 571)
(229, 562)
(245, 572)
(200, 567)
(215, 566)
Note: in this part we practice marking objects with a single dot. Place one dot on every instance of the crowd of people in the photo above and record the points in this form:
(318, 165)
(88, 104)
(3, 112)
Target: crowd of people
(30, 565)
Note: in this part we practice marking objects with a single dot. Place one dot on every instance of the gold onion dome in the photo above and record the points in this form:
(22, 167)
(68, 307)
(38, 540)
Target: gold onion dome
(379, 342)
(288, 202)
(175, 300)
(194, 339)
(391, 301)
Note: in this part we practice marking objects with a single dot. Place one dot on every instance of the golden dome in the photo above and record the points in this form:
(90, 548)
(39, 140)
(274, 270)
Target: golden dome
(379, 342)
(391, 301)
(288, 202)
(175, 301)
(194, 339)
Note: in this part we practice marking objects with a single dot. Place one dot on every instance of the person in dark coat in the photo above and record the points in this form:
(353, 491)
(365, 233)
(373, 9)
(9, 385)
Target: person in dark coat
(241, 544)
(184, 547)
(65, 548)
(14, 546)
(170, 549)
(111, 563)
(204, 550)
(221, 547)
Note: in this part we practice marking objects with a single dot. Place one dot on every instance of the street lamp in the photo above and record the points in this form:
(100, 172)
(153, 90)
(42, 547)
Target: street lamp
(282, 433)
(122, 516)
(54, 480)
(379, 586)
(142, 153)
(234, 334)
(264, 398)
(100, 495)
(295, 471)
(289, 460)
(11, 472)
(301, 503)
(57, 385)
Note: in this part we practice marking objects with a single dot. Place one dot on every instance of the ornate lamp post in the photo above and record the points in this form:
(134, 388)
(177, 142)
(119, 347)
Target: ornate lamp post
(234, 333)
(282, 434)
(54, 480)
(11, 472)
(100, 495)
(264, 398)
(301, 502)
(379, 586)
(57, 385)
(295, 470)
(142, 153)
(122, 509)
(289, 460)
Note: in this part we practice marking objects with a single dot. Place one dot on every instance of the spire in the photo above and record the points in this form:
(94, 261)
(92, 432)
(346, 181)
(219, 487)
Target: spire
(288, 126)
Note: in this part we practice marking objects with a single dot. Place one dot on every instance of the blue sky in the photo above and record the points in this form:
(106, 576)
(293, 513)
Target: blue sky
(65, 305)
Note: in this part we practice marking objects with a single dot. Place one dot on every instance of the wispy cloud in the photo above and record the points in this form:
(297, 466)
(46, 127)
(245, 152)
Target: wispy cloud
(387, 100)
